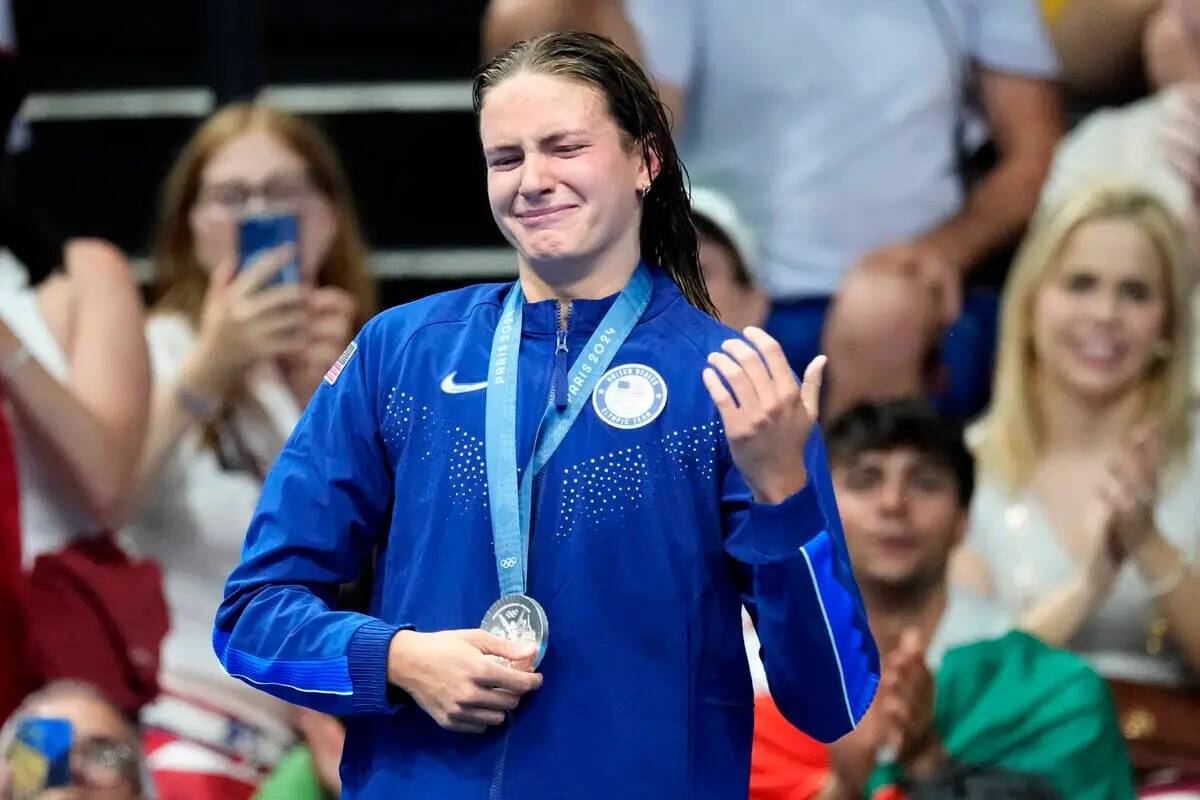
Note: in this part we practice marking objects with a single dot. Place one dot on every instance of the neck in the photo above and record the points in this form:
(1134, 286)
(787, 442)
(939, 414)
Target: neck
(586, 278)
(892, 609)
(1081, 425)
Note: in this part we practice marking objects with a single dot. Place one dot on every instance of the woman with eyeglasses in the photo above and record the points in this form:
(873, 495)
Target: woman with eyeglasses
(236, 353)
(105, 758)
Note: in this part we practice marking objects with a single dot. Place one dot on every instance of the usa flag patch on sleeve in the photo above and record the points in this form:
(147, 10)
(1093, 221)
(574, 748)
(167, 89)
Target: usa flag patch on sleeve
(336, 370)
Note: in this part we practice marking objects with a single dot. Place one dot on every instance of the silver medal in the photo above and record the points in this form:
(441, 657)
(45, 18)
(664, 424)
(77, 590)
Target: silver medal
(519, 618)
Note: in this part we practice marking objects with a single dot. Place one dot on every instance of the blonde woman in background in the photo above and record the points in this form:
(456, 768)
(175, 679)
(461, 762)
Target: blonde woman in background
(1085, 524)
(235, 359)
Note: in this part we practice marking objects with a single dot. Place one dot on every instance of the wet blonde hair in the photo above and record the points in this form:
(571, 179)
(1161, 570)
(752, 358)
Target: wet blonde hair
(181, 281)
(1012, 430)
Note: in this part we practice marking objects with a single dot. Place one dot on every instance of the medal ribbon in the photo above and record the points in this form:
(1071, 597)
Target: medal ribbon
(509, 500)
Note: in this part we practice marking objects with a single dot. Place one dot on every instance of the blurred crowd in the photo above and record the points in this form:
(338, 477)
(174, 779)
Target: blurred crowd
(940, 196)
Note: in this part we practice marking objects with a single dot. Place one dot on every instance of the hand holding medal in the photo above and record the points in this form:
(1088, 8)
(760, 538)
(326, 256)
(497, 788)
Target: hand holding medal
(456, 677)
(769, 415)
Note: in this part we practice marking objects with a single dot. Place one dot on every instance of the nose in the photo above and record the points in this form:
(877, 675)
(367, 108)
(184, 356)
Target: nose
(892, 496)
(536, 177)
(1105, 306)
(256, 203)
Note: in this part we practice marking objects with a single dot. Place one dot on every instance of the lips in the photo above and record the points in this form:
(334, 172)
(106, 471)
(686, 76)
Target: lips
(897, 543)
(1099, 354)
(542, 216)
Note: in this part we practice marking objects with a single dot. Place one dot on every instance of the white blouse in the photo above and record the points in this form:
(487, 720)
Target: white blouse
(1026, 560)
(194, 519)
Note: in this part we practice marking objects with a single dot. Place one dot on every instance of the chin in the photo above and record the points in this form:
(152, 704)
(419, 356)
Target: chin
(894, 577)
(1101, 387)
(548, 245)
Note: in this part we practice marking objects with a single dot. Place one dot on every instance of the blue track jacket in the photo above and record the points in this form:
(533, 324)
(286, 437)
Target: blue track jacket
(645, 545)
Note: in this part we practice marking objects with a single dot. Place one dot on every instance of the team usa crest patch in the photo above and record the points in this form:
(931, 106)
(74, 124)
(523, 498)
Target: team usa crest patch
(336, 370)
(630, 396)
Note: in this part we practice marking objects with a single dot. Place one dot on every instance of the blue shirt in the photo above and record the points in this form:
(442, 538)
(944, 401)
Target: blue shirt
(645, 544)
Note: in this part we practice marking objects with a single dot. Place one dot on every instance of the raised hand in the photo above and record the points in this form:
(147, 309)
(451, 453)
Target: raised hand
(768, 416)
(1179, 134)
(243, 321)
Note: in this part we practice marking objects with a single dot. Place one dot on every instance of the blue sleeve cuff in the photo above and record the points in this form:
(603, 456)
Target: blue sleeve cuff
(779, 530)
(368, 657)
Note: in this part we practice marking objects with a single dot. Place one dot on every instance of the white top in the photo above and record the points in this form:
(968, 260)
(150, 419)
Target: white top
(196, 516)
(1026, 560)
(968, 618)
(830, 124)
(50, 519)
(1124, 145)
(1118, 145)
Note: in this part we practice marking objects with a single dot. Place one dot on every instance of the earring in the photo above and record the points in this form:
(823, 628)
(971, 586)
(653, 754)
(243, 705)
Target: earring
(643, 191)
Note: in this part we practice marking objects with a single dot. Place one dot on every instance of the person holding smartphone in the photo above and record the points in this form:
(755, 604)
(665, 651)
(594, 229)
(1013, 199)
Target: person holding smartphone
(567, 486)
(67, 741)
(262, 280)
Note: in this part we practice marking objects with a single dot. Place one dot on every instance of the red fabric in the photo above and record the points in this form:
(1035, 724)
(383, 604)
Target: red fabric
(95, 615)
(1185, 789)
(784, 763)
(15, 681)
(184, 770)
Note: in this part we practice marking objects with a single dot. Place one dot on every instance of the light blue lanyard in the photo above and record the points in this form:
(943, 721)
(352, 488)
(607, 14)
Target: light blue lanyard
(510, 503)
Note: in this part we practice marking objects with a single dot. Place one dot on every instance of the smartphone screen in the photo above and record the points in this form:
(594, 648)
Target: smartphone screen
(258, 233)
(40, 756)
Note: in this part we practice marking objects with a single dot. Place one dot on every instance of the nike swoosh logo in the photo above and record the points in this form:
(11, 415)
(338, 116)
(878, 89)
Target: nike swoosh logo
(450, 387)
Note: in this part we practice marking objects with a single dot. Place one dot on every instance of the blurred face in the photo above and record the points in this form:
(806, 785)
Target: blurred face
(902, 517)
(561, 182)
(720, 275)
(1097, 319)
(1171, 44)
(103, 760)
(256, 173)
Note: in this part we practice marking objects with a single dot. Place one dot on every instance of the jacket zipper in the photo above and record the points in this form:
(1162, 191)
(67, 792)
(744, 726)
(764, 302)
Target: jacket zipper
(558, 391)
(496, 792)
(558, 395)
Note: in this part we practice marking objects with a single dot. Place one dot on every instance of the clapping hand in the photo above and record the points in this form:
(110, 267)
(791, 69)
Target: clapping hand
(1129, 489)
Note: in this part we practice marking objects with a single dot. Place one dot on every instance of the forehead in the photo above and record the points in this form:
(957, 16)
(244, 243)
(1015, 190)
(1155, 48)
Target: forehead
(1116, 247)
(253, 155)
(889, 459)
(530, 106)
(89, 717)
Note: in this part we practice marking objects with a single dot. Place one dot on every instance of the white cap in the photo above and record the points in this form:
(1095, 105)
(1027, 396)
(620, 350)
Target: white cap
(721, 212)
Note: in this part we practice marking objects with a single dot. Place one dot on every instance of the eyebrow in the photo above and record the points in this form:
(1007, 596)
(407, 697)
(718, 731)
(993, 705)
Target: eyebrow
(548, 139)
